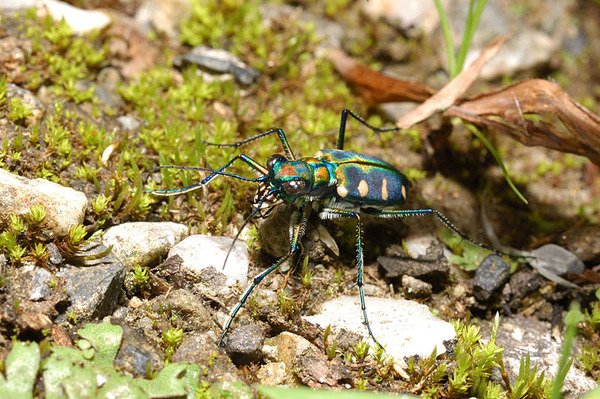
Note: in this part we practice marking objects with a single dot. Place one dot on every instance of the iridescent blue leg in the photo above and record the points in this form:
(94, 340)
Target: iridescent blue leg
(258, 168)
(297, 231)
(404, 213)
(332, 213)
(343, 119)
(284, 142)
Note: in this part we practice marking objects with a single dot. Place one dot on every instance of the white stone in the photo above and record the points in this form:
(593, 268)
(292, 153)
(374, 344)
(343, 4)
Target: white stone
(65, 207)
(417, 245)
(80, 21)
(527, 336)
(141, 243)
(404, 328)
(201, 252)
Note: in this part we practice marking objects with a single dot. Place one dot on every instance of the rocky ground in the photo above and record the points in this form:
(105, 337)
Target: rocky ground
(95, 94)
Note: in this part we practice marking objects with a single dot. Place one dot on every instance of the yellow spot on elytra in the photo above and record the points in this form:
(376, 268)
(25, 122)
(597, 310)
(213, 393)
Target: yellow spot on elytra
(403, 190)
(363, 188)
(342, 191)
(384, 193)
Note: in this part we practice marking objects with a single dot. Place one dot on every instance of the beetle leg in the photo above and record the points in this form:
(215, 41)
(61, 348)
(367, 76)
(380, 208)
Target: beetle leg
(343, 119)
(284, 142)
(333, 213)
(404, 213)
(297, 230)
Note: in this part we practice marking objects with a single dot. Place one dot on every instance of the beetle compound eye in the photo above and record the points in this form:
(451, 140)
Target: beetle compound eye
(294, 186)
(275, 159)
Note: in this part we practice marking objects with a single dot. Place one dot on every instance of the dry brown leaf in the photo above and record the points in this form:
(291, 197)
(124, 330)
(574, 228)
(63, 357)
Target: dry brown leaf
(536, 112)
(446, 97)
(374, 87)
(533, 112)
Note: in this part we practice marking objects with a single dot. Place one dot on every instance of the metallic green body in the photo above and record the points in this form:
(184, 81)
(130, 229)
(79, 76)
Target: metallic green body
(348, 177)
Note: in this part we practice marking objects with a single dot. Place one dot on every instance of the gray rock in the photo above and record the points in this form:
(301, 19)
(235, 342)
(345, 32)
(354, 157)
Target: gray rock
(194, 315)
(32, 283)
(40, 284)
(94, 290)
(201, 252)
(274, 232)
(417, 246)
(521, 336)
(404, 328)
(105, 96)
(55, 258)
(64, 206)
(79, 20)
(304, 361)
(524, 50)
(201, 348)
(432, 268)
(136, 355)
(128, 122)
(272, 374)
(415, 288)
(244, 344)
(142, 243)
(490, 276)
(413, 17)
(556, 259)
(163, 15)
(524, 284)
(220, 61)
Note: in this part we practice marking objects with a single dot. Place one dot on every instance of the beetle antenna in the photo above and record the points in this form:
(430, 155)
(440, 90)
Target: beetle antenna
(195, 186)
(254, 212)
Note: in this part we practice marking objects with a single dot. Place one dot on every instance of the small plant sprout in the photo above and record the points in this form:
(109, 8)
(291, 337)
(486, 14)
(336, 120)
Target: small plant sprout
(361, 384)
(86, 172)
(16, 225)
(140, 276)
(18, 112)
(307, 275)
(39, 251)
(100, 203)
(72, 317)
(338, 278)
(330, 350)
(361, 350)
(16, 253)
(287, 306)
(171, 339)
(37, 214)
(76, 235)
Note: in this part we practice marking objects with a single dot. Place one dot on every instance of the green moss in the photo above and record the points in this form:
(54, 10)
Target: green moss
(18, 112)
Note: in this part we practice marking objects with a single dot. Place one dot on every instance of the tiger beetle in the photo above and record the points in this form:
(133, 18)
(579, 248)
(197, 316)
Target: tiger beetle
(334, 184)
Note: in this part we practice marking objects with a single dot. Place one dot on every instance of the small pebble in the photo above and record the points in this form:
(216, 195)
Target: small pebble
(244, 343)
(415, 288)
(201, 252)
(491, 275)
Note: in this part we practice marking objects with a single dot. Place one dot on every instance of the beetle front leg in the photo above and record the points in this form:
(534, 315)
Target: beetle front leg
(298, 224)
